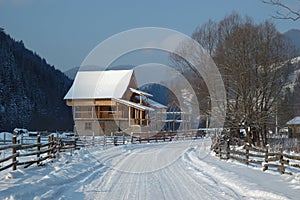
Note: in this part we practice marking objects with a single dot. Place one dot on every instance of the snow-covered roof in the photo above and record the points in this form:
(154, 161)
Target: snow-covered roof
(151, 103)
(100, 84)
(141, 92)
(135, 105)
(20, 130)
(295, 121)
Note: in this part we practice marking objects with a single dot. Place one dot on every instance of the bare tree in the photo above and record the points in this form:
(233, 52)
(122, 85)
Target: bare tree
(251, 58)
(206, 35)
(286, 9)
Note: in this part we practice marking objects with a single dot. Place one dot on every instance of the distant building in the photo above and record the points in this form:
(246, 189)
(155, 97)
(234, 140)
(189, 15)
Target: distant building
(294, 127)
(106, 102)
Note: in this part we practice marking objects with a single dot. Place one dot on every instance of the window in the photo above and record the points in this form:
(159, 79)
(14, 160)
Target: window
(83, 111)
(77, 112)
(88, 126)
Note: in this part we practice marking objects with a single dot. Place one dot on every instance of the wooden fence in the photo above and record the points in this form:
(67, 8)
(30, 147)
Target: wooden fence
(121, 138)
(167, 136)
(102, 140)
(247, 154)
(41, 152)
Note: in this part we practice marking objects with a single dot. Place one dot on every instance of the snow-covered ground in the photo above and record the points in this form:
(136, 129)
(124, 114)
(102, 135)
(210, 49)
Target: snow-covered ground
(176, 170)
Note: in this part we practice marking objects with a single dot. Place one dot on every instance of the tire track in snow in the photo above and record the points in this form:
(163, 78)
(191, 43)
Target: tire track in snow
(230, 179)
(167, 182)
(110, 179)
(200, 175)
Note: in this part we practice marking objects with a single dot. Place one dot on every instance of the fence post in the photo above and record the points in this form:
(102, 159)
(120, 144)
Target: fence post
(115, 140)
(38, 141)
(123, 138)
(49, 144)
(14, 150)
(228, 149)
(75, 144)
(282, 168)
(93, 140)
(53, 144)
(58, 144)
(265, 167)
(247, 154)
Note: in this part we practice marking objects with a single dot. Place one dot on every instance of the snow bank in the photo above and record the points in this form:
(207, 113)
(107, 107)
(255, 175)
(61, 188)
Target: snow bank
(175, 170)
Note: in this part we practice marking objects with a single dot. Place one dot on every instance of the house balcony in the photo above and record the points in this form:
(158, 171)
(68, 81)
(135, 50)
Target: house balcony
(110, 115)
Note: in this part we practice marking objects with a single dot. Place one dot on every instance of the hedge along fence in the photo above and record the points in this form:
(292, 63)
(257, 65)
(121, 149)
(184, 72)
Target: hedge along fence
(41, 151)
(248, 154)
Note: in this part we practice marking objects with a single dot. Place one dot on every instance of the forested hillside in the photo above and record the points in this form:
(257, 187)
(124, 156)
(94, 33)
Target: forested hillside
(294, 36)
(291, 101)
(31, 91)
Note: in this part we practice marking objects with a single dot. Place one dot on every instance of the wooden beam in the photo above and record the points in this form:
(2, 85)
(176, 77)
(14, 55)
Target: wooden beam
(105, 102)
(117, 109)
(129, 115)
(135, 115)
(141, 117)
(93, 112)
(147, 117)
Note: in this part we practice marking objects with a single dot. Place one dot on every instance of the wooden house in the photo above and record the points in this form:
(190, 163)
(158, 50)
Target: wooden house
(294, 127)
(106, 102)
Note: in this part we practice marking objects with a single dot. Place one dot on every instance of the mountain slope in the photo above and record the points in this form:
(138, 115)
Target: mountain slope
(71, 73)
(294, 36)
(31, 91)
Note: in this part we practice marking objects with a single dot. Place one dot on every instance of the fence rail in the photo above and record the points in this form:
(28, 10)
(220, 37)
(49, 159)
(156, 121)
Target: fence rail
(283, 162)
(42, 151)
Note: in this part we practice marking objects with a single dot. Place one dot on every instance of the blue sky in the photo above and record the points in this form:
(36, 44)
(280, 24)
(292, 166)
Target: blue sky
(65, 31)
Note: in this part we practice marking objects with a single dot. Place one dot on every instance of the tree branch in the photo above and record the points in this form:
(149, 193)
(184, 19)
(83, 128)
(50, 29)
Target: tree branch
(292, 14)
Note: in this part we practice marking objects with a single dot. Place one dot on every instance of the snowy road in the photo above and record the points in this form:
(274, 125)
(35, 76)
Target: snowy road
(179, 170)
